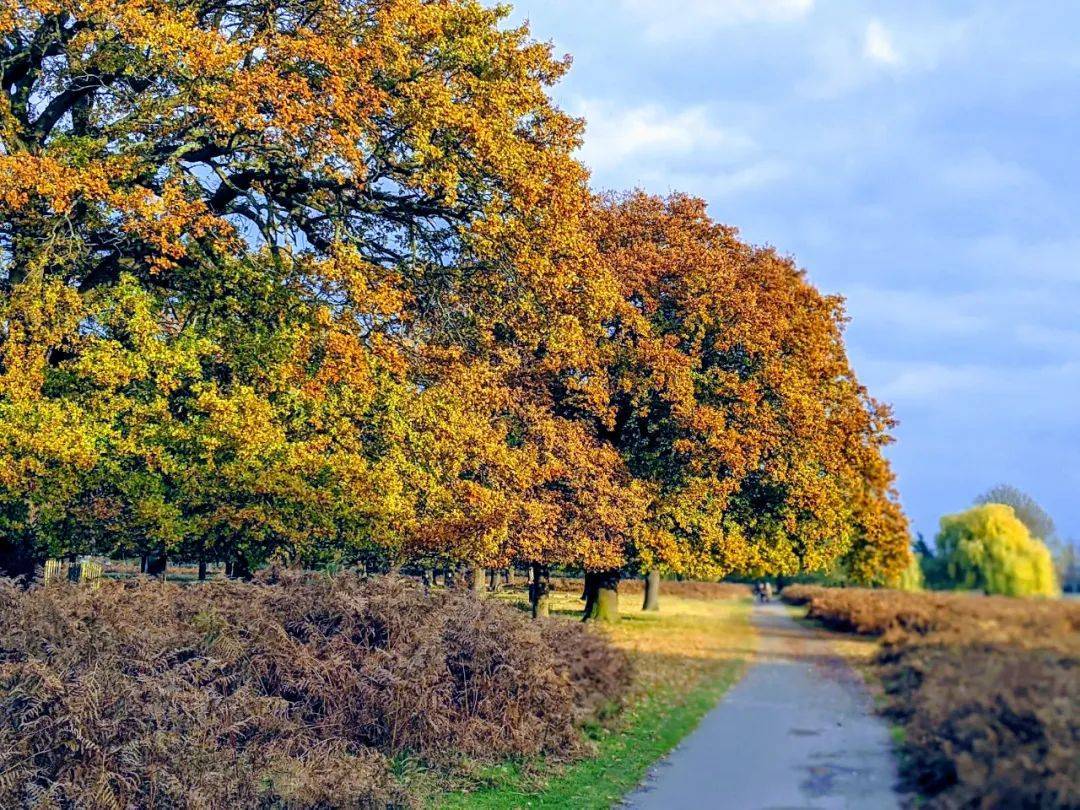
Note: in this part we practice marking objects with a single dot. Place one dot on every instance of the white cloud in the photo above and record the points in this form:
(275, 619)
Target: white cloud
(676, 19)
(719, 185)
(663, 150)
(616, 135)
(924, 313)
(992, 395)
(878, 45)
(979, 172)
(858, 53)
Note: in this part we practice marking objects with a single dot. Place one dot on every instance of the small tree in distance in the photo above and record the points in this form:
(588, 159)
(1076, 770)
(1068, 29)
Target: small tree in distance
(990, 549)
(1039, 522)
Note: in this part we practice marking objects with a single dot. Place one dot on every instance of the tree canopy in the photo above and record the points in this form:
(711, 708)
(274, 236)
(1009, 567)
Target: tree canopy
(320, 281)
(1028, 510)
(733, 402)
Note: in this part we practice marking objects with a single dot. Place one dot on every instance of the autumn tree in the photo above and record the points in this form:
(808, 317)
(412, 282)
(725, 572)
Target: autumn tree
(1038, 521)
(509, 480)
(193, 443)
(307, 281)
(880, 551)
(380, 195)
(733, 403)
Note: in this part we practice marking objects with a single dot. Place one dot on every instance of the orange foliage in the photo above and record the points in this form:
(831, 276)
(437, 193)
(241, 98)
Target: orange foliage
(325, 280)
(734, 400)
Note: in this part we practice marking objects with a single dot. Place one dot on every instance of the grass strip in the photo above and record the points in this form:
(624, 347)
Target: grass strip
(687, 657)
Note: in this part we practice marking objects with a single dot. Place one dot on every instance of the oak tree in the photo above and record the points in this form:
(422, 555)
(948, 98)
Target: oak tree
(733, 402)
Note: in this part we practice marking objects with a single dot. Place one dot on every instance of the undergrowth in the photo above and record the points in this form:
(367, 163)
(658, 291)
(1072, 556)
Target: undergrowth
(294, 691)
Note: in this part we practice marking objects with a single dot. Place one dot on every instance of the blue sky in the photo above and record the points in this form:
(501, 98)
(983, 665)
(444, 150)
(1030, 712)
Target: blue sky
(920, 158)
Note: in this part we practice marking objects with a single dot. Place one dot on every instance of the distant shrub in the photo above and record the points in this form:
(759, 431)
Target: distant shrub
(998, 619)
(989, 548)
(286, 693)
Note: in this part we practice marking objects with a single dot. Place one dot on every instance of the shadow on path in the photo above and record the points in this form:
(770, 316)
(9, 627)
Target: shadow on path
(798, 731)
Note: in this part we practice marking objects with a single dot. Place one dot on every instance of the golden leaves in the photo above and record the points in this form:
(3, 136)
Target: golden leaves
(765, 452)
(345, 286)
(988, 548)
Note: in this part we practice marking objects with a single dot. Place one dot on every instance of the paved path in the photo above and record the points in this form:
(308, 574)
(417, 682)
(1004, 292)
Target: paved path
(798, 731)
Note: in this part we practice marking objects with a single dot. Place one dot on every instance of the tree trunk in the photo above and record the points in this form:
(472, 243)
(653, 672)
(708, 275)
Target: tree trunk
(240, 569)
(156, 564)
(601, 597)
(476, 579)
(539, 590)
(202, 569)
(493, 580)
(588, 595)
(652, 591)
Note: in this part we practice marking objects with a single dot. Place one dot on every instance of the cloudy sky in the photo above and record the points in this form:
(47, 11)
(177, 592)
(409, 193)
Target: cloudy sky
(918, 157)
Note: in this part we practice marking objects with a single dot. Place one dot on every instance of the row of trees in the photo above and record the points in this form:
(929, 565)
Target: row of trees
(323, 281)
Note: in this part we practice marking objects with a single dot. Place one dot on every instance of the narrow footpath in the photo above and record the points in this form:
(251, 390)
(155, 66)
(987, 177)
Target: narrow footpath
(798, 731)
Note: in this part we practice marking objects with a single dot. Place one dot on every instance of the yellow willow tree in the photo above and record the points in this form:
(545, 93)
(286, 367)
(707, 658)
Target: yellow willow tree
(383, 185)
(988, 547)
(733, 403)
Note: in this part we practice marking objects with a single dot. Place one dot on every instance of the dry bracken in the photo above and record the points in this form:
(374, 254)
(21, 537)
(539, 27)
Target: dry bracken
(289, 692)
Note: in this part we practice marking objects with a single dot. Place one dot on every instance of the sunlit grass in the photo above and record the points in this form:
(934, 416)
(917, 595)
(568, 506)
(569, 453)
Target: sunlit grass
(686, 657)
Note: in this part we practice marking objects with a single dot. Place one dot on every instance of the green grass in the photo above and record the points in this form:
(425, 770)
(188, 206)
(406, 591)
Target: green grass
(687, 656)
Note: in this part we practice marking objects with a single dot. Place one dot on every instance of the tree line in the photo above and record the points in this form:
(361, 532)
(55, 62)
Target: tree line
(321, 282)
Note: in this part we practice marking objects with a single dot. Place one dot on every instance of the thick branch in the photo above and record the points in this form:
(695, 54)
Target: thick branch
(66, 101)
